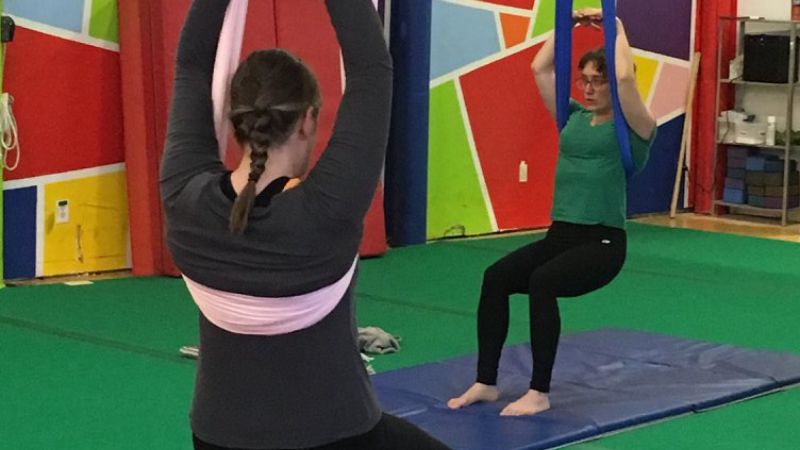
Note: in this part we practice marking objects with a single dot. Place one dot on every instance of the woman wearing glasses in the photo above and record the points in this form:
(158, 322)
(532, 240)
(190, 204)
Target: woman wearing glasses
(585, 247)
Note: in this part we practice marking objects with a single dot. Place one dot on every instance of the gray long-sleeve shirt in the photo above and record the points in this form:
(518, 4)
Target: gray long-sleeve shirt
(306, 388)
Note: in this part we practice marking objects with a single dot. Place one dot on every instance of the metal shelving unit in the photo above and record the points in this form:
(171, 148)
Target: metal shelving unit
(785, 151)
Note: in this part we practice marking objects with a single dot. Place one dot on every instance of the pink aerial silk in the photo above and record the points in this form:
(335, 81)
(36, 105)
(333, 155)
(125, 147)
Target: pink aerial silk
(229, 52)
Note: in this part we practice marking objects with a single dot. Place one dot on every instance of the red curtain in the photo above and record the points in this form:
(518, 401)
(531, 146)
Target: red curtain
(702, 177)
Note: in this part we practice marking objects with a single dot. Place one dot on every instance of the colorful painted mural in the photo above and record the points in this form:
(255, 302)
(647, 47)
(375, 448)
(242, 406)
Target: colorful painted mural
(493, 146)
(66, 204)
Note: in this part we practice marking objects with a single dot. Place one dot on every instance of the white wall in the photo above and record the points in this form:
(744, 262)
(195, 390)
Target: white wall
(769, 9)
(765, 101)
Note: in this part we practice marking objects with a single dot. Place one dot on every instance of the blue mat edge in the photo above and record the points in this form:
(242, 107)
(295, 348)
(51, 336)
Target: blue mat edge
(598, 432)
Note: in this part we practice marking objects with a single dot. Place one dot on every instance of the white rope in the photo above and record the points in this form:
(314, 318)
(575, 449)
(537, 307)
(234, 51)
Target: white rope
(10, 137)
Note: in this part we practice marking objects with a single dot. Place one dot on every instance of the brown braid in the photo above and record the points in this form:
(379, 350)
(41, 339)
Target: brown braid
(270, 93)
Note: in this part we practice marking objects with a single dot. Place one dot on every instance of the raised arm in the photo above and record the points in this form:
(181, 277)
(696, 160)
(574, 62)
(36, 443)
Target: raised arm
(191, 145)
(639, 118)
(543, 66)
(544, 71)
(346, 177)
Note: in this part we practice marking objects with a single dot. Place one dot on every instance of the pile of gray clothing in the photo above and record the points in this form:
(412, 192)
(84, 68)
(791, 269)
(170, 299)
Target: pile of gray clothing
(373, 340)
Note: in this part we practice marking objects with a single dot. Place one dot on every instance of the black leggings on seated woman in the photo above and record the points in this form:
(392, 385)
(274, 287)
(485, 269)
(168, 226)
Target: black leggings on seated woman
(572, 260)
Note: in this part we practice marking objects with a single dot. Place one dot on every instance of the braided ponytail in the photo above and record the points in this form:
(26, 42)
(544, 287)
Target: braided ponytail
(245, 200)
(270, 92)
(260, 131)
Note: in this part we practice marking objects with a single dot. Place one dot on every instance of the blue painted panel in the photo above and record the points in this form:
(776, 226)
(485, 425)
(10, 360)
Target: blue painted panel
(651, 190)
(460, 35)
(66, 14)
(19, 233)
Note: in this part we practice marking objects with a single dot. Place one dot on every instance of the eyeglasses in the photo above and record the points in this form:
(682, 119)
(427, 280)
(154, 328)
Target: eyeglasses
(596, 83)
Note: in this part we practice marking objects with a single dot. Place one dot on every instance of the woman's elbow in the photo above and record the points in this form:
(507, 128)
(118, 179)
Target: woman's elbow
(648, 126)
(540, 68)
(626, 76)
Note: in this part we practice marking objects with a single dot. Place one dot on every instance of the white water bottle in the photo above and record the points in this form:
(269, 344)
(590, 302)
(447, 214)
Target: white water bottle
(771, 130)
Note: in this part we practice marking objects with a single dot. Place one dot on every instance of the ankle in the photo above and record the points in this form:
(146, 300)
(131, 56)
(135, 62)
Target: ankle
(539, 389)
(540, 394)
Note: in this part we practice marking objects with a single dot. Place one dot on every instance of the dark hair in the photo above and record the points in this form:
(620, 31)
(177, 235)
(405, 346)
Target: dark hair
(270, 92)
(596, 56)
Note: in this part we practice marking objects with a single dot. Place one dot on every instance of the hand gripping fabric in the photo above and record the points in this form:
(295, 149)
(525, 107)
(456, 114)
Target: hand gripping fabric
(564, 25)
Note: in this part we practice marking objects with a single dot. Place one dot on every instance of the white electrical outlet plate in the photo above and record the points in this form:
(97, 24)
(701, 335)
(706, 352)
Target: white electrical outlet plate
(62, 211)
(523, 172)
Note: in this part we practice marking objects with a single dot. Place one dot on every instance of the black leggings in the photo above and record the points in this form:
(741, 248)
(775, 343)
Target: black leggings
(391, 433)
(571, 260)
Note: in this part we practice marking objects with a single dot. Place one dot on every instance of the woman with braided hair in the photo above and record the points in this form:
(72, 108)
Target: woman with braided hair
(272, 268)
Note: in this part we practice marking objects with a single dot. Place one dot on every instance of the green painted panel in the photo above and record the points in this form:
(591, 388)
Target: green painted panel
(455, 201)
(104, 23)
(545, 18)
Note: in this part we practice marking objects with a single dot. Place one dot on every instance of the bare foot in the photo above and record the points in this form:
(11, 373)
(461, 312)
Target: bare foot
(478, 392)
(529, 404)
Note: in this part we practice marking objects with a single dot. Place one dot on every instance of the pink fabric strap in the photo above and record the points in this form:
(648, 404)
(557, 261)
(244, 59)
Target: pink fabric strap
(229, 51)
(245, 314)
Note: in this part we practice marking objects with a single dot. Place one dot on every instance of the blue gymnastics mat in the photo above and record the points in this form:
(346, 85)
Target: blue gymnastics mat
(603, 381)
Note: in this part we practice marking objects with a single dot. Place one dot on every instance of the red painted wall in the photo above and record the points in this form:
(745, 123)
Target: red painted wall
(517, 109)
(67, 104)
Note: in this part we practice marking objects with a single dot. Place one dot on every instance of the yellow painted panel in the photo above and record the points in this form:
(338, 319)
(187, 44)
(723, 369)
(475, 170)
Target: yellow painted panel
(646, 69)
(95, 237)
